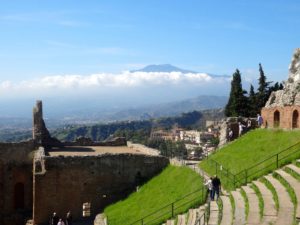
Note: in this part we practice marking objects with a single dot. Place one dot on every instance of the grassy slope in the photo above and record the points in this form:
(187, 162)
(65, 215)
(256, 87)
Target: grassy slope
(251, 148)
(169, 186)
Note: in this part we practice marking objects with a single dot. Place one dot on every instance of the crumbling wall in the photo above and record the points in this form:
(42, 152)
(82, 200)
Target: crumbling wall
(15, 182)
(232, 123)
(68, 182)
(40, 133)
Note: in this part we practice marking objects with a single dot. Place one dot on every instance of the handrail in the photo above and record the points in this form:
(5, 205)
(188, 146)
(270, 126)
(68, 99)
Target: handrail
(236, 177)
(202, 189)
(255, 165)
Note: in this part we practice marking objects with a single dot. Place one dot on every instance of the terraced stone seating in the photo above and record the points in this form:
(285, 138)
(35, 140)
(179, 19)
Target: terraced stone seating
(272, 199)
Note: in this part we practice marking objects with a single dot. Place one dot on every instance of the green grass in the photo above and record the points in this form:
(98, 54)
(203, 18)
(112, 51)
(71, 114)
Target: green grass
(260, 200)
(251, 148)
(272, 189)
(220, 206)
(232, 205)
(243, 193)
(169, 186)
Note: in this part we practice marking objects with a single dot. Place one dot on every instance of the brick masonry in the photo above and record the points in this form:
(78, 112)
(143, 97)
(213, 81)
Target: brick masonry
(68, 182)
(286, 117)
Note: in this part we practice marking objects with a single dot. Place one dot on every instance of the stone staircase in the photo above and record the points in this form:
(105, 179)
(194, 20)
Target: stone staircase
(272, 199)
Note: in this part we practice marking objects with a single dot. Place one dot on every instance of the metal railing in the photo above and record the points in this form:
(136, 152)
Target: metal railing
(174, 208)
(263, 167)
(168, 211)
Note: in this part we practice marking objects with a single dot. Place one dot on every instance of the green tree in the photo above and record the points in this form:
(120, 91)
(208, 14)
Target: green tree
(252, 105)
(263, 89)
(237, 103)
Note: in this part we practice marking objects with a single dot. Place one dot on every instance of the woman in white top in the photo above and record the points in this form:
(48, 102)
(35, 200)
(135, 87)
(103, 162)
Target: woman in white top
(209, 186)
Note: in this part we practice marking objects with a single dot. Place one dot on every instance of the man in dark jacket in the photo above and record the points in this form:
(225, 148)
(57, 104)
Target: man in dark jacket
(54, 219)
(216, 183)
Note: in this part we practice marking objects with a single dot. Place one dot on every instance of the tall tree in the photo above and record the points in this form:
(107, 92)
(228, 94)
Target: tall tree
(252, 105)
(263, 89)
(237, 102)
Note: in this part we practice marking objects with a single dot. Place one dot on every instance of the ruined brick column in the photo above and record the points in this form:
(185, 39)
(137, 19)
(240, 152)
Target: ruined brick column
(37, 131)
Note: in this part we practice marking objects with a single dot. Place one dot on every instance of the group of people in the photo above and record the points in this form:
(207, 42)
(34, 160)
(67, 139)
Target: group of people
(56, 220)
(244, 128)
(213, 185)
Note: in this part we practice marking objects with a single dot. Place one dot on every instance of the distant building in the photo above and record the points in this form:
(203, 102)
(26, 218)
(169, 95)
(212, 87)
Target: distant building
(191, 136)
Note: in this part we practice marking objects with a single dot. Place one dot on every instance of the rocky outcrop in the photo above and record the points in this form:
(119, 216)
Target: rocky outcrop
(290, 95)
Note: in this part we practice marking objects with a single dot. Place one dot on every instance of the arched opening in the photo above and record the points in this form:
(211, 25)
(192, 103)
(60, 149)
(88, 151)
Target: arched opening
(19, 196)
(276, 118)
(295, 119)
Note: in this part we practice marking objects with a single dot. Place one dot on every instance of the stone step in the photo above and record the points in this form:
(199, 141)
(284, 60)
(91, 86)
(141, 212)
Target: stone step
(295, 184)
(253, 215)
(181, 219)
(200, 217)
(191, 217)
(170, 222)
(269, 211)
(293, 167)
(239, 211)
(285, 212)
(214, 213)
(227, 211)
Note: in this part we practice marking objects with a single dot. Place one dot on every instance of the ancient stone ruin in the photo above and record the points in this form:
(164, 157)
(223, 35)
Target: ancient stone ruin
(283, 106)
(43, 175)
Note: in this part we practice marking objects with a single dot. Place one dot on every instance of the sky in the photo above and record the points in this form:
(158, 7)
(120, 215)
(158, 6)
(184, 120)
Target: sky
(66, 47)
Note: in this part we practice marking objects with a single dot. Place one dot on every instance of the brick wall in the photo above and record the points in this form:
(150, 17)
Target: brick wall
(71, 181)
(287, 117)
(15, 174)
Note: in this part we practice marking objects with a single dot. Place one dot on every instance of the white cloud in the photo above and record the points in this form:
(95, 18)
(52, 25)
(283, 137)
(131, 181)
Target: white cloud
(106, 82)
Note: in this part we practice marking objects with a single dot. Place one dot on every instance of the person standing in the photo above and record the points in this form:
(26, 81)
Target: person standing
(209, 186)
(54, 219)
(69, 218)
(249, 124)
(241, 128)
(230, 134)
(216, 183)
(61, 222)
(259, 120)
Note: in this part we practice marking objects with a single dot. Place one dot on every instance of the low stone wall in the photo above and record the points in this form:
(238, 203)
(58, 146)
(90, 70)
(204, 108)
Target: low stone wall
(144, 149)
(68, 182)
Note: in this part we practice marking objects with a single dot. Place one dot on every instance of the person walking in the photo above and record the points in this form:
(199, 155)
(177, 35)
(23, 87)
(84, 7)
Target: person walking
(209, 186)
(216, 183)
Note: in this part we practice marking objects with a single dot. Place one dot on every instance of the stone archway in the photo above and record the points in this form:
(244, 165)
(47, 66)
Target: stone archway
(295, 119)
(276, 119)
(19, 195)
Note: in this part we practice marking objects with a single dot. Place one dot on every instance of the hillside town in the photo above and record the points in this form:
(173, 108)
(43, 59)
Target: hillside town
(198, 144)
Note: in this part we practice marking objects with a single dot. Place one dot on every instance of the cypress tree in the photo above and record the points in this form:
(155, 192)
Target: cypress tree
(237, 103)
(262, 91)
(252, 105)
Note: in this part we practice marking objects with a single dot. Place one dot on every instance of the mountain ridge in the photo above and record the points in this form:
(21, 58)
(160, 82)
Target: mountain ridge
(168, 68)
